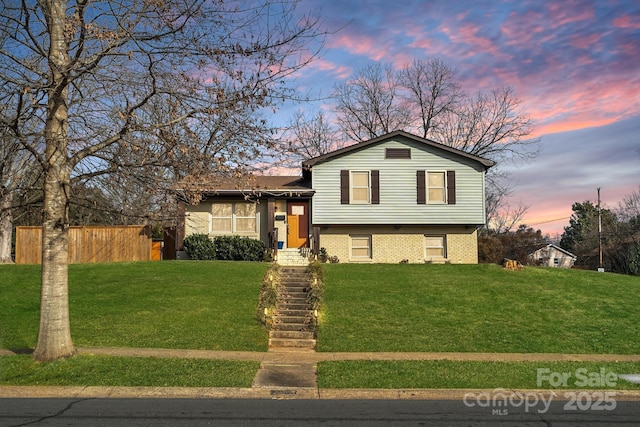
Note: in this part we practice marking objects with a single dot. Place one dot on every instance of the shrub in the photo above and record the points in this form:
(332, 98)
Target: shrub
(268, 296)
(323, 256)
(200, 247)
(236, 248)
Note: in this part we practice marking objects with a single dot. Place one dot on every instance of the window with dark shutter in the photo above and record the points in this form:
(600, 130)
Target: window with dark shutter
(344, 187)
(375, 187)
(451, 187)
(421, 187)
(397, 153)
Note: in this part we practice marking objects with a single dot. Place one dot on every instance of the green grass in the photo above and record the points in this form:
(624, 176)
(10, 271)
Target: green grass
(456, 374)
(85, 370)
(180, 304)
(211, 305)
(477, 308)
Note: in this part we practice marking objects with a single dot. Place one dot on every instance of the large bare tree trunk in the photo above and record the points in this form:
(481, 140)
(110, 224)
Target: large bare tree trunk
(6, 227)
(54, 335)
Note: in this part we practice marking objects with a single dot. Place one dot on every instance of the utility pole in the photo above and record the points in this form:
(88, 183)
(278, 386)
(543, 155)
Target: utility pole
(600, 267)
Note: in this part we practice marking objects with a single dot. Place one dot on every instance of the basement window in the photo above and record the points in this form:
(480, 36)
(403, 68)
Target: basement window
(361, 248)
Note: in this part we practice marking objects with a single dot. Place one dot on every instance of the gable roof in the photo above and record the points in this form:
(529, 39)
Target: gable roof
(558, 248)
(308, 164)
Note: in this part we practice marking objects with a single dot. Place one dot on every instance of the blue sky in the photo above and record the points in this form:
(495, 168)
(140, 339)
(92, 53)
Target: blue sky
(574, 64)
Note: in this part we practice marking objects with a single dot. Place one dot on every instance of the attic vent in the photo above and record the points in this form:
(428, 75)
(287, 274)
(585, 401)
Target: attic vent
(397, 153)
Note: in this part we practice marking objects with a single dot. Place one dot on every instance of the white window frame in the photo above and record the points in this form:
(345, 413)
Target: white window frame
(427, 247)
(234, 220)
(236, 217)
(368, 247)
(214, 217)
(352, 186)
(444, 188)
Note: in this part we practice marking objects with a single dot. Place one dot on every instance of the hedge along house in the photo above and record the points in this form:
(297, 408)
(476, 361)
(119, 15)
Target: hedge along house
(394, 198)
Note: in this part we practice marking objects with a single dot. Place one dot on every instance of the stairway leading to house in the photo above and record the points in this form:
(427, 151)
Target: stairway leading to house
(293, 326)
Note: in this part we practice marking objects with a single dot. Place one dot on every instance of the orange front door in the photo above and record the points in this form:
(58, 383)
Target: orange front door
(298, 224)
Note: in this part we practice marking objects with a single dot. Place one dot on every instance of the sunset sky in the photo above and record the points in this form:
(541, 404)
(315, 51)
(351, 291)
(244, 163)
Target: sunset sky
(575, 65)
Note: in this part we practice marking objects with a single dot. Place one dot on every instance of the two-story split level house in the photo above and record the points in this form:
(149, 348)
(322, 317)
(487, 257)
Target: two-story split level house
(394, 198)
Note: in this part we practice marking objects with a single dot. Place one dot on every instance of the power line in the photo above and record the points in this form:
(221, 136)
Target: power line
(544, 222)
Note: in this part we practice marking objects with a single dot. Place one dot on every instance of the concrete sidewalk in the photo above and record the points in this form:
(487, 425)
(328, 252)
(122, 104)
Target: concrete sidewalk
(314, 357)
(292, 375)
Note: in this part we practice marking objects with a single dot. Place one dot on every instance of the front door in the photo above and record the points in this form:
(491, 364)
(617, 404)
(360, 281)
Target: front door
(298, 224)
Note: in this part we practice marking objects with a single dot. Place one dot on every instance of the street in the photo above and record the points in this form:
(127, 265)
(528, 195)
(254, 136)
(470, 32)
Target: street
(265, 412)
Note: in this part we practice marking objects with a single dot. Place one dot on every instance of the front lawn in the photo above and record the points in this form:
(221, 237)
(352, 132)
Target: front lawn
(171, 304)
(91, 370)
(457, 374)
(477, 308)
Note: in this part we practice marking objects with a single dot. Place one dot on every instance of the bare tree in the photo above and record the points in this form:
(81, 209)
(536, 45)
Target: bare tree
(629, 208)
(491, 126)
(18, 173)
(431, 91)
(307, 137)
(100, 72)
(369, 105)
(425, 98)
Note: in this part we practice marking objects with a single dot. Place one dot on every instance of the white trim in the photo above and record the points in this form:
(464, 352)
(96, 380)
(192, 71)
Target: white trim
(443, 246)
(369, 248)
(352, 187)
(442, 201)
(234, 219)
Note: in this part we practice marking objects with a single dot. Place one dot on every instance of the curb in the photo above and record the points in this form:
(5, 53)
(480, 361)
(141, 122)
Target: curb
(301, 393)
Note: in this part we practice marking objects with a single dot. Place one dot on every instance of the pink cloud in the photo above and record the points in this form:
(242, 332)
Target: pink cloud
(359, 44)
(632, 22)
(466, 36)
(337, 70)
(521, 29)
(563, 13)
(585, 42)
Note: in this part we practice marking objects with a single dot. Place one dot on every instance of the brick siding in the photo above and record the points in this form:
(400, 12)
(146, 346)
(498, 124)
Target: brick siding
(390, 244)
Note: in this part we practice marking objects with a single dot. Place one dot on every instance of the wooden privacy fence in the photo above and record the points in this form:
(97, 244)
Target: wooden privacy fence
(89, 244)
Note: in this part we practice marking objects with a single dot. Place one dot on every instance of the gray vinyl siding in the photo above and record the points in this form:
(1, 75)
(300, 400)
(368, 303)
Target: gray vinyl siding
(398, 191)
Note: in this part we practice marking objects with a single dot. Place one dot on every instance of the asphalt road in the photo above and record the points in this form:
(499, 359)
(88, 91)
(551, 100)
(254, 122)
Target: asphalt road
(265, 412)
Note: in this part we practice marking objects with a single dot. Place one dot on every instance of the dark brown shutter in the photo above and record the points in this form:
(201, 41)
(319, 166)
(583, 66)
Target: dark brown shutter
(344, 187)
(451, 187)
(421, 187)
(375, 187)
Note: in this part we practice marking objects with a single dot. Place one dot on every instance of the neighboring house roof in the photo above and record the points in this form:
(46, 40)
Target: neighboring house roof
(558, 248)
(252, 184)
(308, 164)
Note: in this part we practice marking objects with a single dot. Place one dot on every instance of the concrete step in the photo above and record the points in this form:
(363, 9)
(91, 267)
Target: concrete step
(301, 320)
(292, 306)
(303, 335)
(291, 343)
(290, 312)
(284, 280)
(292, 327)
(297, 286)
(293, 259)
(296, 298)
(289, 296)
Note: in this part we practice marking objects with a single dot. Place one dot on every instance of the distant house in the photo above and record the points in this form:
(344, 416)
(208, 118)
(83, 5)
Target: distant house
(391, 199)
(553, 256)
